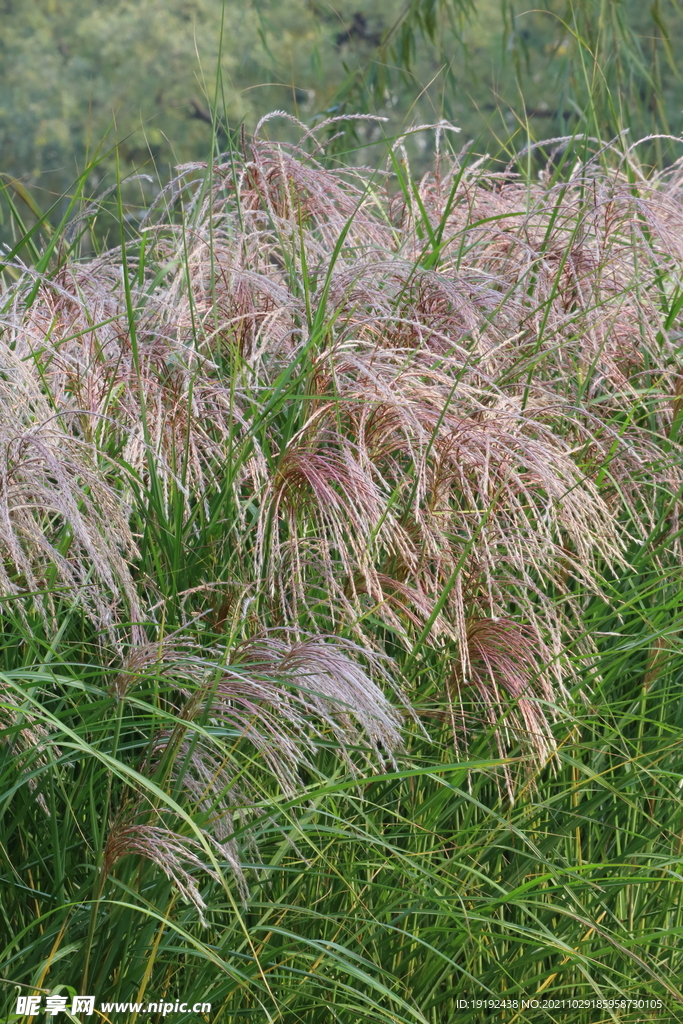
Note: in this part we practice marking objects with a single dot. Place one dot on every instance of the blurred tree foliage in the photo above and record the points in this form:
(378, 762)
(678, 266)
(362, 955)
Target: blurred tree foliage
(144, 72)
(73, 72)
(595, 66)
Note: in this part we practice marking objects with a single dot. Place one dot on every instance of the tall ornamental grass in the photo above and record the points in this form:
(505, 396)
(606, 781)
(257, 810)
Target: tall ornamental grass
(340, 582)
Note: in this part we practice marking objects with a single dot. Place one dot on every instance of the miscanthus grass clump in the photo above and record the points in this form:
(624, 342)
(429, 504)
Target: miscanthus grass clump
(340, 587)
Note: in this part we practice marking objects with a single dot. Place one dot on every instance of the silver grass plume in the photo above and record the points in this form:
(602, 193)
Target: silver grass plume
(428, 457)
(174, 854)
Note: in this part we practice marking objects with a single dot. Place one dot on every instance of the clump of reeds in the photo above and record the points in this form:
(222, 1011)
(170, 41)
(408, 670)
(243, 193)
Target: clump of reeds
(393, 418)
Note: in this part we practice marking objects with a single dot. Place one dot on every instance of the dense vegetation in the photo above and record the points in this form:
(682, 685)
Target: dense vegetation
(341, 574)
